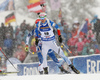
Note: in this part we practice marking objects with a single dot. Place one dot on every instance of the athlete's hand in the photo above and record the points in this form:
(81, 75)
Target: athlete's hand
(26, 48)
(60, 39)
(36, 41)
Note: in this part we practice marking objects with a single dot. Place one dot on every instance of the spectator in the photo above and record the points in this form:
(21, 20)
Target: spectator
(85, 49)
(23, 26)
(23, 44)
(20, 53)
(89, 40)
(71, 43)
(1, 37)
(75, 29)
(79, 46)
(62, 22)
(64, 34)
(28, 27)
(10, 30)
(74, 32)
(68, 33)
(20, 37)
(97, 29)
(8, 44)
(85, 40)
(76, 25)
(91, 51)
(93, 21)
(25, 35)
(96, 47)
(90, 33)
(3, 30)
(16, 32)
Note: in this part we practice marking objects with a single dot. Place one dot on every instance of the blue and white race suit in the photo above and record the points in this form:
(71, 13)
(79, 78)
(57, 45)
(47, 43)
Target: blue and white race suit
(39, 49)
(48, 40)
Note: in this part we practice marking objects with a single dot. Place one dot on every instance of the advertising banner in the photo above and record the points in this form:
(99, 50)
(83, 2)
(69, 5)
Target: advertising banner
(32, 69)
(85, 64)
(89, 64)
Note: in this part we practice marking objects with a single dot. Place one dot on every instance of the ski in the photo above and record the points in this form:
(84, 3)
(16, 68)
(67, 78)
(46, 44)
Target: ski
(5, 73)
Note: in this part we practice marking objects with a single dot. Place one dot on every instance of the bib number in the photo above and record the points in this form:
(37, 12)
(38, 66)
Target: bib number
(46, 33)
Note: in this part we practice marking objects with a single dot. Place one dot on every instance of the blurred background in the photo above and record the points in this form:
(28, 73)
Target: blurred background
(73, 17)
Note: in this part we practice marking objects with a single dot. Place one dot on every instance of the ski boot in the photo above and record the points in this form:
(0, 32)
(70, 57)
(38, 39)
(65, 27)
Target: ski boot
(1, 71)
(63, 70)
(46, 70)
(74, 69)
(41, 72)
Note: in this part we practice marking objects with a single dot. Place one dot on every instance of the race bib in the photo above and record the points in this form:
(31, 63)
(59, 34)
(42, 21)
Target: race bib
(47, 34)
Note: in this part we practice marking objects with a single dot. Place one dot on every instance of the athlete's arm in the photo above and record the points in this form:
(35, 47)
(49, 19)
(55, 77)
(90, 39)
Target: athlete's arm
(57, 27)
(36, 31)
(36, 34)
(28, 37)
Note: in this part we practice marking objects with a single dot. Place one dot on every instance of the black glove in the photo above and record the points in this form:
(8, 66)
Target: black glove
(60, 39)
(42, 5)
(36, 41)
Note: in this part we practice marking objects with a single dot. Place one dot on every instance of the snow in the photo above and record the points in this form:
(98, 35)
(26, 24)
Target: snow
(1, 1)
(20, 19)
(54, 77)
(20, 16)
(97, 11)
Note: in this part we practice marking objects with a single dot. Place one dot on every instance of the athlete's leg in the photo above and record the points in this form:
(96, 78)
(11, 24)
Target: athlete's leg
(40, 68)
(40, 57)
(45, 49)
(54, 58)
(60, 52)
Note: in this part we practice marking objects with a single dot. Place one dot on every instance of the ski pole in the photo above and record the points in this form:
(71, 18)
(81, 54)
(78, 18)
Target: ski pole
(7, 58)
(66, 48)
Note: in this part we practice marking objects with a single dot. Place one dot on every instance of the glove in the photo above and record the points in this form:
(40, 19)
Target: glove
(36, 41)
(26, 48)
(60, 39)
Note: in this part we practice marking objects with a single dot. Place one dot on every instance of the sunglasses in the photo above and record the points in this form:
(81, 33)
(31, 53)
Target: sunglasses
(42, 17)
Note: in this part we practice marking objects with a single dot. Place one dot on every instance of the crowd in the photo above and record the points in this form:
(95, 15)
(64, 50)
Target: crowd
(13, 41)
(79, 43)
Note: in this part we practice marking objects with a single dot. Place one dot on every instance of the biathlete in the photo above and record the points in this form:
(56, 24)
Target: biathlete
(40, 56)
(45, 29)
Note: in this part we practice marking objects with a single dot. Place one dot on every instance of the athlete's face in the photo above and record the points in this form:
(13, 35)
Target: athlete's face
(43, 20)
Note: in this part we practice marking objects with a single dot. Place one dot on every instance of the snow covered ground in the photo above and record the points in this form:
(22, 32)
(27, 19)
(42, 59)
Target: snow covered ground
(19, 19)
(54, 77)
